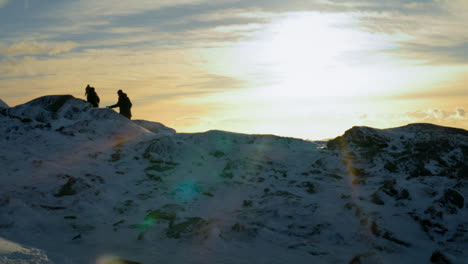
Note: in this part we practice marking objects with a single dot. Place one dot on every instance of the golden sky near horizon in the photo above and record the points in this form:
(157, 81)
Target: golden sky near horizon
(308, 70)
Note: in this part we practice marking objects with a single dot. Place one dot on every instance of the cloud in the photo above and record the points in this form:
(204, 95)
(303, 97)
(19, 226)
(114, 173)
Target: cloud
(458, 91)
(144, 71)
(159, 25)
(37, 48)
(212, 82)
(199, 19)
(452, 87)
(436, 115)
(394, 6)
(109, 8)
(432, 32)
(460, 113)
(3, 3)
(86, 9)
(456, 53)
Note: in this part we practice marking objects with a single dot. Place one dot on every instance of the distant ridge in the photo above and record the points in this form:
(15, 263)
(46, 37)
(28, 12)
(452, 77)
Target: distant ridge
(371, 137)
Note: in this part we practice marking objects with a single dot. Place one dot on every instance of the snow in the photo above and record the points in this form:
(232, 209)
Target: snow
(13, 253)
(86, 185)
(3, 104)
(155, 127)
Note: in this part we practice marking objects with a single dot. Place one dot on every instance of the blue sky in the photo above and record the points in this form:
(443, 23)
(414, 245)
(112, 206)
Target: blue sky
(307, 69)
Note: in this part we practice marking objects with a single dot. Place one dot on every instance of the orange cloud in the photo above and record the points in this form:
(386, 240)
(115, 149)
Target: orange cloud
(37, 48)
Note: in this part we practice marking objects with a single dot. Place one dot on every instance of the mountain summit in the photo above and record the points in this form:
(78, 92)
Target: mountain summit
(86, 185)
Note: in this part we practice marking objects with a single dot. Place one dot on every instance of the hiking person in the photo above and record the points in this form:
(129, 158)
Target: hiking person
(124, 105)
(91, 96)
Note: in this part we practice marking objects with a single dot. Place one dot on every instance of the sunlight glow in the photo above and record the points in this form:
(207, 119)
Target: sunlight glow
(313, 75)
(309, 54)
(304, 53)
(306, 41)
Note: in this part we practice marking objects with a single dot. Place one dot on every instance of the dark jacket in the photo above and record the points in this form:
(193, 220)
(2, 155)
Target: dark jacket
(124, 105)
(92, 97)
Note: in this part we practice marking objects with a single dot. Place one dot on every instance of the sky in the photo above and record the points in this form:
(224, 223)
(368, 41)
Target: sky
(305, 69)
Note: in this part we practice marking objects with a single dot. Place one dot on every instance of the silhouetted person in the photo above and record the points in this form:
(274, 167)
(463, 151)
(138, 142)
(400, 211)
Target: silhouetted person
(91, 96)
(124, 105)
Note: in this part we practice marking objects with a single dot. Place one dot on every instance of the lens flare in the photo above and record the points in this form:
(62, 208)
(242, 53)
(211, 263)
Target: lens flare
(186, 191)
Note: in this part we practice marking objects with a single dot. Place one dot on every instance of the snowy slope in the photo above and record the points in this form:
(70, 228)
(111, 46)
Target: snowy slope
(13, 253)
(3, 104)
(86, 185)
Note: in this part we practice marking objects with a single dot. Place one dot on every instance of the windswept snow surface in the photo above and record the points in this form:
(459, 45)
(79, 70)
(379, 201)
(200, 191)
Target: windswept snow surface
(12, 253)
(86, 185)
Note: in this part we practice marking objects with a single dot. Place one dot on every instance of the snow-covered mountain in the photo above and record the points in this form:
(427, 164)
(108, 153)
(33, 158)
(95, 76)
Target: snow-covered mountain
(86, 185)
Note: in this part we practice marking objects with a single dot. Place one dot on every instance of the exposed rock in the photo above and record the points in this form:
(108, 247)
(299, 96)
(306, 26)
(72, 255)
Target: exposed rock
(191, 226)
(72, 186)
(438, 257)
(375, 198)
(161, 149)
(453, 199)
(362, 137)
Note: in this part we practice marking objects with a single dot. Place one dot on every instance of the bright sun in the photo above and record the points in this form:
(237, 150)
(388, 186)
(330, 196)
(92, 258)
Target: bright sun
(305, 51)
(310, 54)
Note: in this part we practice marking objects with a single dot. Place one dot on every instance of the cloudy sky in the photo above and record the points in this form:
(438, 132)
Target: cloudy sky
(308, 69)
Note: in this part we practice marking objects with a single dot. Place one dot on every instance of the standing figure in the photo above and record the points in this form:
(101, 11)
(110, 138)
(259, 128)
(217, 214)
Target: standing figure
(124, 105)
(91, 96)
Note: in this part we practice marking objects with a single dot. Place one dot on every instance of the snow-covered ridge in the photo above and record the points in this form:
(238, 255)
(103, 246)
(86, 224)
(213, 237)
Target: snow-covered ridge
(415, 149)
(70, 116)
(3, 104)
(85, 185)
